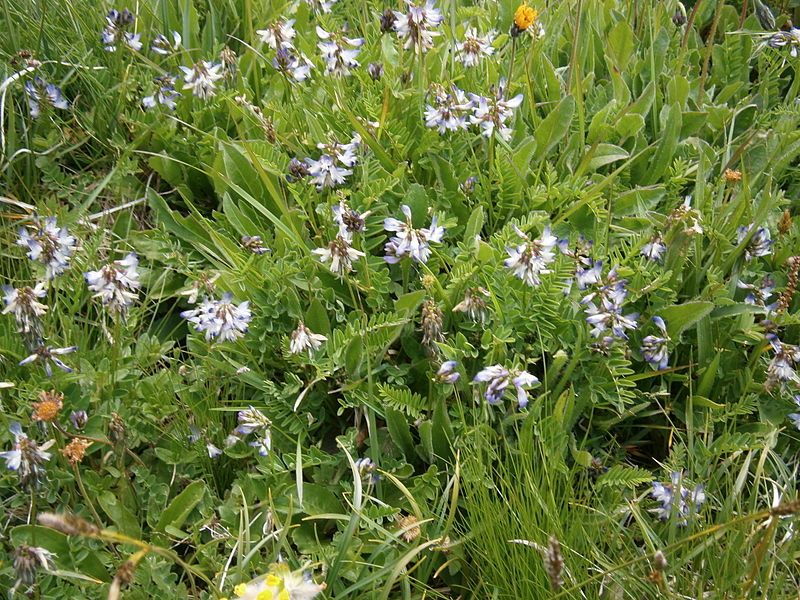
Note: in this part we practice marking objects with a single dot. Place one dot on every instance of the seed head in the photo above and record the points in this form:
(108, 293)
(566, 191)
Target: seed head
(48, 407)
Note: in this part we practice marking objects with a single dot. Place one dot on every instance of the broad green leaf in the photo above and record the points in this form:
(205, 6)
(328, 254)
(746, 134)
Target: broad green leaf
(400, 432)
(680, 317)
(620, 44)
(182, 505)
(474, 226)
(554, 127)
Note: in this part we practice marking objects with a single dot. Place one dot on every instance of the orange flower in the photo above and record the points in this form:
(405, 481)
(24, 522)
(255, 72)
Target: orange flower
(525, 16)
(48, 407)
(75, 450)
(732, 176)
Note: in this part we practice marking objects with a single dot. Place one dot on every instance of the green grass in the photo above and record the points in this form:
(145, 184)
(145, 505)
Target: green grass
(625, 115)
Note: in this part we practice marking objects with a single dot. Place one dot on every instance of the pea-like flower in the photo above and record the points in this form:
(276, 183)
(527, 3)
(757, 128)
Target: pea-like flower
(529, 260)
(448, 372)
(48, 354)
(166, 95)
(42, 94)
(163, 46)
(48, 244)
(654, 348)
(116, 284)
(608, 316)
(349, 220)
(409, 241)
(783, 366)
(339, 52)
(341, 255)
(290, 65)
(303, 339)
(759, 294)
(278, 34)
(795, 417)
(202, 78)
(416, 27)
(221, 319)
(253, 421)
(325, 174)
(27, 310)
(499, 378)
(447, 111)
(474, 47)
(474, 304)
(117, 25)
(321, 6)
(28, 560)
(786, 39)
(492, 113)
(760, 243)
(677, 498)
(27, 458)
(654, 249)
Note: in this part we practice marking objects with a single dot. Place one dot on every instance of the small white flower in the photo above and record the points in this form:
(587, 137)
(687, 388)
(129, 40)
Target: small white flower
(499, 378)
(304, 339)
(654, 249)
(48, 354)
(340, 254)
(410, 241)
(116, 283)
(278, 34)
(292, 66)
(325, 173)
(529, 260)
(416, 27)
(448, 110)
(220, 319)
(27, 311)
(26, 457)
(492, 113)
(161, 44)
(202, 78)
(475, 46)
(339, 52)
(49, 244)
(321, 6)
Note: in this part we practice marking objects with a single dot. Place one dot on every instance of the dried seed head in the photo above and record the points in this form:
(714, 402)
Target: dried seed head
(659, 561)
(733, 175)
(387, 21)
(793, 268)
(116, 430)
(431, 325)
(554, 563)
(69, 524)
(409, 527)
(75, 450)
(28, 560)
(679, 18)
(787, 508)
(785, 222)
(49, 405)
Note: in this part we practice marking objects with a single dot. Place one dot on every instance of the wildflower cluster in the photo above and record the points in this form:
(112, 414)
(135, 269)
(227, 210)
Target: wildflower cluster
(222, 319)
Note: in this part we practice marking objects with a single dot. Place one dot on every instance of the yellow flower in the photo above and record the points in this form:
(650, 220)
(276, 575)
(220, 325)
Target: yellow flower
(273, 580)
(525, 16)
(240, 590)
(264, 595)
(284, 595)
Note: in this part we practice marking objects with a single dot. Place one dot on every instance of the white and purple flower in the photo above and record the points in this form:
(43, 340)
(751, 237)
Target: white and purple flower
(409, 241)
(499, 378)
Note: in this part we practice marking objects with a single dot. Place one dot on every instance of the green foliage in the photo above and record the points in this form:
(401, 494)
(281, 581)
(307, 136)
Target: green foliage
(371, 469)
